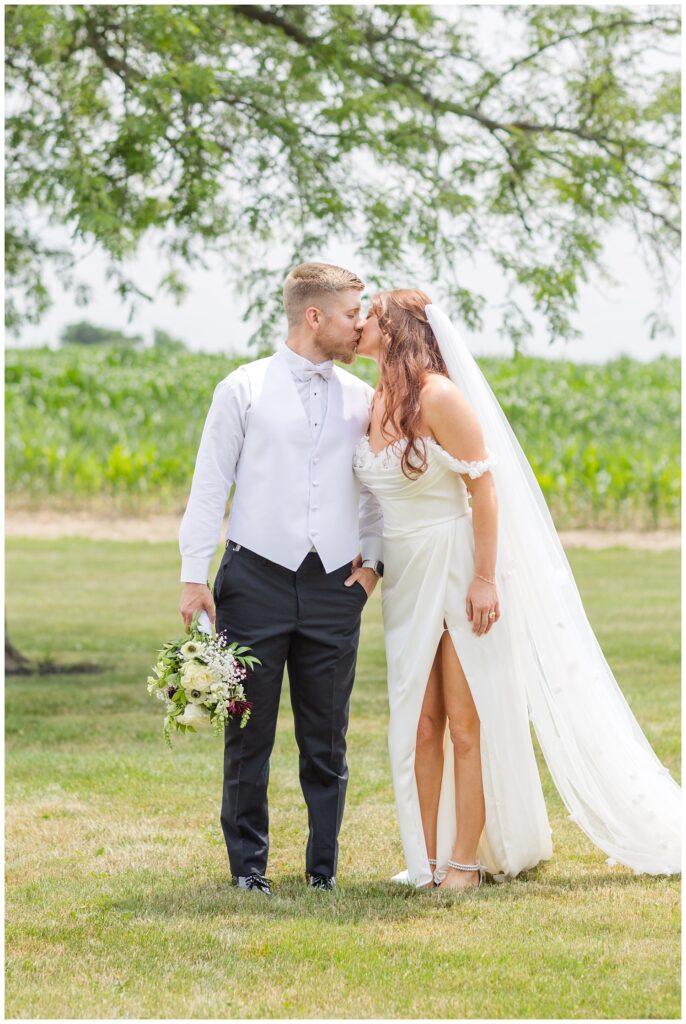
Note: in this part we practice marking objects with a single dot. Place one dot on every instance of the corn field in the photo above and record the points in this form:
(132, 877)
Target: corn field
(118, 429)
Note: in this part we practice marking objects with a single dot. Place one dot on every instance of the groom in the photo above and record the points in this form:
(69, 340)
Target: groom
(290, 584)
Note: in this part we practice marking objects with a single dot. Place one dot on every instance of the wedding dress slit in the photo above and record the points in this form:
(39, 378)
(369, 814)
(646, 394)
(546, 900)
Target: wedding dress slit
(435, 709)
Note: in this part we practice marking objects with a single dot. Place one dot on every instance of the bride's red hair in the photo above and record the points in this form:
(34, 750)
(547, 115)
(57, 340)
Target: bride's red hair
(409, 353)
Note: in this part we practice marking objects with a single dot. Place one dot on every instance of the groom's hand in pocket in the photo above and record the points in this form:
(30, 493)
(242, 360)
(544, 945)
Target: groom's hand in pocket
(195, 597)
(367, 578)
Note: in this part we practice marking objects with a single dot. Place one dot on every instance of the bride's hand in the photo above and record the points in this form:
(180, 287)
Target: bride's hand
(482, 598)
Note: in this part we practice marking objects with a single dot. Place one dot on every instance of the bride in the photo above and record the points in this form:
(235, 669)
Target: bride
(485, 629)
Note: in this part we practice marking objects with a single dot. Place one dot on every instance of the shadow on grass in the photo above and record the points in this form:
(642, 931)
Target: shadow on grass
(354, 902)
(54, 668)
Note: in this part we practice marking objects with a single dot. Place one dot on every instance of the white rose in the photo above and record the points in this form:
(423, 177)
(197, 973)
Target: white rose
(195, 716)
(197, 679)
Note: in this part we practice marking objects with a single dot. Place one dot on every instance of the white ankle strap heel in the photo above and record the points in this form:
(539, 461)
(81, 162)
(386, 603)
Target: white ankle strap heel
(468, 867)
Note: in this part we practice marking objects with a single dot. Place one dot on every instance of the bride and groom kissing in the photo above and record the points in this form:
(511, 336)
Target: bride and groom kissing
(338, 485)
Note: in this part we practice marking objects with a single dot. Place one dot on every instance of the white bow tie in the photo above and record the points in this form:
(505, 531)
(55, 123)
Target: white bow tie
(324, 370)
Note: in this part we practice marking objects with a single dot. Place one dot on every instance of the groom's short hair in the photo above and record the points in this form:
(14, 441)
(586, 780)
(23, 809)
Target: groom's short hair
(310, 283)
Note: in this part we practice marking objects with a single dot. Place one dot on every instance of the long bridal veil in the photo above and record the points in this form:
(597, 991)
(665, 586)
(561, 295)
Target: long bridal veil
(606, 772)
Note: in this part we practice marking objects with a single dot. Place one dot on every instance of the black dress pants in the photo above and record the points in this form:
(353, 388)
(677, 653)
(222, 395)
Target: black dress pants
(308, 620)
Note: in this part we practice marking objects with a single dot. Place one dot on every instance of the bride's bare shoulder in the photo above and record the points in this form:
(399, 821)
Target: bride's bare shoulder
(438, 393)
(447, 413)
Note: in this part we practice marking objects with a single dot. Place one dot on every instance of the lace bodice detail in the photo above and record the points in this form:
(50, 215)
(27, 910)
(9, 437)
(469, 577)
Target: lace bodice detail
(389, 457)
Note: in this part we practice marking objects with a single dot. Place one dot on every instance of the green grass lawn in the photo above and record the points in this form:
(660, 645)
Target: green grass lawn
(118, 895)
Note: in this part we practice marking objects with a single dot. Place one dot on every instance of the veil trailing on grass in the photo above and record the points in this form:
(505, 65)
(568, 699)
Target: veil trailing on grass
(606, 772)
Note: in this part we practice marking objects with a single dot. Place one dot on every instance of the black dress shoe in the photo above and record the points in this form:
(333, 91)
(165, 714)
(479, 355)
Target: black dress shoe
(254, 882)
(322, 882)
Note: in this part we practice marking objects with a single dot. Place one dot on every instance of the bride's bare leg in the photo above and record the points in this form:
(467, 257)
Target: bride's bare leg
(463, 721)
(428, 764)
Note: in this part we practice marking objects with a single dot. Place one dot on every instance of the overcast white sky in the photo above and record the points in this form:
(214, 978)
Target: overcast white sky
(210, 318)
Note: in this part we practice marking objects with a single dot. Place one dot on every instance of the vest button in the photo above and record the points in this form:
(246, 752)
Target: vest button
(315, 459)
(315, 483)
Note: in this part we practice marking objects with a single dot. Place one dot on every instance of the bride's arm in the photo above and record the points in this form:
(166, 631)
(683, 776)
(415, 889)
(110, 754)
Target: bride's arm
(454, 424)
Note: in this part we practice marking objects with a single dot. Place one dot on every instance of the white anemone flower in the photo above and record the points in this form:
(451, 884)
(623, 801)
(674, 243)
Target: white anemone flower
(191, 649)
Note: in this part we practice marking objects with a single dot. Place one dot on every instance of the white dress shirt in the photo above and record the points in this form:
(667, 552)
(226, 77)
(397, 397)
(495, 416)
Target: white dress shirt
(311, 380)
(218, 454)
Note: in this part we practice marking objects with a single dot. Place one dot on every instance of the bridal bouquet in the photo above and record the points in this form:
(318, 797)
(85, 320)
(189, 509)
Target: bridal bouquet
(200, 679)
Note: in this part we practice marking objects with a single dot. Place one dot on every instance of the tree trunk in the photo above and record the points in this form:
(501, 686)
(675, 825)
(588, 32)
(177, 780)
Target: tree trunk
(16, 663)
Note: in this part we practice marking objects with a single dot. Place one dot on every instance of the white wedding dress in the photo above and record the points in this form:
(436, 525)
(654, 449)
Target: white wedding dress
(428, 567)
(603, 766)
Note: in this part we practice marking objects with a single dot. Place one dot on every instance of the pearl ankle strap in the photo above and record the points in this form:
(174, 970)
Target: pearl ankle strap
(463, 867)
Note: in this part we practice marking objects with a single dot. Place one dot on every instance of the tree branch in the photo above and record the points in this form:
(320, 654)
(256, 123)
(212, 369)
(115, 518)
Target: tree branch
(566, 37)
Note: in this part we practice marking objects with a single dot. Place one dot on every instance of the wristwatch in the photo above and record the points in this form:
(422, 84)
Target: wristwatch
(376, 566)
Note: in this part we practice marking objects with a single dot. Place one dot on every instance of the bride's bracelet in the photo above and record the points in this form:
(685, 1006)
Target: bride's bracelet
(484, 578)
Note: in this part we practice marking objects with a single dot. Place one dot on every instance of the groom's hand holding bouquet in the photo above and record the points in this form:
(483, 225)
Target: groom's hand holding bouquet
(196, 597)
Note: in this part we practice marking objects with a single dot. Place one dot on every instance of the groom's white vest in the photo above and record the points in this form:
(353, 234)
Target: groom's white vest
(293, 492)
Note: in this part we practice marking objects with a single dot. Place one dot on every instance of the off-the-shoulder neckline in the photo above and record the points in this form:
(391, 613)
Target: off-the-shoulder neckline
(472, 469)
